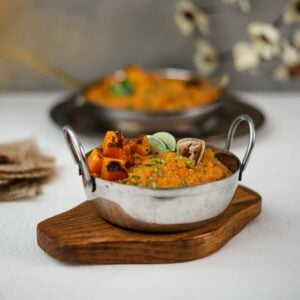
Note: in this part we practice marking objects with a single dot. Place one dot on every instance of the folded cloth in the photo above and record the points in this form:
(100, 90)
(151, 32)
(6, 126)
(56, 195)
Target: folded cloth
(23, 170)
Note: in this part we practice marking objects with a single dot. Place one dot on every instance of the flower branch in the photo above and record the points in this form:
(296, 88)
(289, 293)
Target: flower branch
(265, 42)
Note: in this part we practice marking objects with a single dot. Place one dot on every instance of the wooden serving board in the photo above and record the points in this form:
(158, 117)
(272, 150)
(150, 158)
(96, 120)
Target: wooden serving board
(80, 235)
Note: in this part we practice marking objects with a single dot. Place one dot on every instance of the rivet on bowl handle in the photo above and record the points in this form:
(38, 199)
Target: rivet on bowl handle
(78, 155)
(251, 141)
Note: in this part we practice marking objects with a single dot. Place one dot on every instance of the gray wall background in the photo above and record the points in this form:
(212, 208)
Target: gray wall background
(90, 38)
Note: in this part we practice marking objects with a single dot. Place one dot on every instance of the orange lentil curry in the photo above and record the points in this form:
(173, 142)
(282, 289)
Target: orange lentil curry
(130, 162)
(139, 90)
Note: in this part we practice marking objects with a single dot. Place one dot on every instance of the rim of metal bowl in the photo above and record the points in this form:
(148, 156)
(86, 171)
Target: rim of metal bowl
(79, 156)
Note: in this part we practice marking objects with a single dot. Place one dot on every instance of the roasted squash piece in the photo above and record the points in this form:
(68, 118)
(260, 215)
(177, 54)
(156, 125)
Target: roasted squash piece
(113, 144)
(94, 161)
(141, 145)
(113, 169)
(127, 156)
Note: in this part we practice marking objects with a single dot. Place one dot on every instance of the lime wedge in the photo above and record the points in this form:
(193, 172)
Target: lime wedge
(167, 138)
(157, 146)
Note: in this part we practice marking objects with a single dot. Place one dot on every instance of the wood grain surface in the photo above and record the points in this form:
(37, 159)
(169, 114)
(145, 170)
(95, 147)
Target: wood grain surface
(80, 235)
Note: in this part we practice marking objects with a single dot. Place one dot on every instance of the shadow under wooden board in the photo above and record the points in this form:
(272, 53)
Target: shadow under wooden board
(215, 128)
(80, 235)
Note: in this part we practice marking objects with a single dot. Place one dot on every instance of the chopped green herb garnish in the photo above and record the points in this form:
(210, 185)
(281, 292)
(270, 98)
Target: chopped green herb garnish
(122, 88)
(177, 158)
(157, 170)
(185, 183)
(190, 163)
(153, 184)
(158, 160)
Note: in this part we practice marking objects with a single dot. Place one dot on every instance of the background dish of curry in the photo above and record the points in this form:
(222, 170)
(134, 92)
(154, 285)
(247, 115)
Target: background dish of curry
(179, 120)
(135, 89)
(127, 119)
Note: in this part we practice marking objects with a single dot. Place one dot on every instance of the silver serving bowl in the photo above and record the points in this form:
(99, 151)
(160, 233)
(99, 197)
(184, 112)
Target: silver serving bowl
(163, 210)
(132, 121)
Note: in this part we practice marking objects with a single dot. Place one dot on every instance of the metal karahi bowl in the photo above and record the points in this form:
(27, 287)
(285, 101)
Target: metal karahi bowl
(163, 210)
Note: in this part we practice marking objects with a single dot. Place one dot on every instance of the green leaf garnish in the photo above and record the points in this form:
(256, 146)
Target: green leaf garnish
(122, 88)
(185, 183)
(128, 86)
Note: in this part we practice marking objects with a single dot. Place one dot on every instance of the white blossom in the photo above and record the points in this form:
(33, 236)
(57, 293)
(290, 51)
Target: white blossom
(223, 81)
(244, 5)
(244, 57)
(189, 18)
(206, 58)
(289, 54)
(284, 72)
(296, 38)
(290, 66)
(291, 14)
(265, 39)
(281, 73)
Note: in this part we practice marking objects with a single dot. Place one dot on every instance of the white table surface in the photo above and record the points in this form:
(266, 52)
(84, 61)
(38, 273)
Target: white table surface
(261, 262)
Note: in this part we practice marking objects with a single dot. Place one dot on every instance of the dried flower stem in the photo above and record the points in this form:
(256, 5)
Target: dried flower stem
(225, 56)
(278, 22)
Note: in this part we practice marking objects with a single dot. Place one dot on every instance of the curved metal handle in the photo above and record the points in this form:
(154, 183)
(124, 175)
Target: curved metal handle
(251, 141)
(78, 155)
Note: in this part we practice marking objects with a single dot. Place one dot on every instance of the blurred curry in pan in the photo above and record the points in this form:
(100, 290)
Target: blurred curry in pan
(135, 89)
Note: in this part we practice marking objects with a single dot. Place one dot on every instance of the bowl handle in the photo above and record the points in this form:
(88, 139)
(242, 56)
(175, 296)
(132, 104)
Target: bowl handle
(236, 122)
(78, 155)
